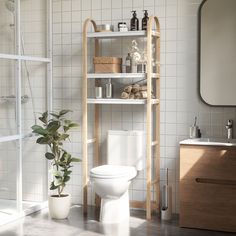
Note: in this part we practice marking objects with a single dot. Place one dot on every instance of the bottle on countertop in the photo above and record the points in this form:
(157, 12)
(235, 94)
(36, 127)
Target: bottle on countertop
(128, 63)
(145, 20)
(134, 22)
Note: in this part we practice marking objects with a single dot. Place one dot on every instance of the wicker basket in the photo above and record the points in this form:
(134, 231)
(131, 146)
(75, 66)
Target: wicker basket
(107, 64)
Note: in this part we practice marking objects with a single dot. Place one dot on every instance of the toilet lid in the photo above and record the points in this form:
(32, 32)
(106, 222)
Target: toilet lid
(112, 171)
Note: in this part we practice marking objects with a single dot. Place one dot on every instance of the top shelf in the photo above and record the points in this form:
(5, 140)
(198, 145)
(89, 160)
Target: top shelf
(108, 34)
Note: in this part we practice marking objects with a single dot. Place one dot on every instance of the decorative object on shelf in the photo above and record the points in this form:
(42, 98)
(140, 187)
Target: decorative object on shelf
(135, 91)
(53, 133)
(122, 27)
(105, 28)
(107, 64)
(98, 92)
(135, 55)
(145, 20)
(142, 63)
(134, 22)
(109, 89)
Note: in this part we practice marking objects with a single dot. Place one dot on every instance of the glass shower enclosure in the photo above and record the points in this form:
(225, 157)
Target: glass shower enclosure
(25, 91)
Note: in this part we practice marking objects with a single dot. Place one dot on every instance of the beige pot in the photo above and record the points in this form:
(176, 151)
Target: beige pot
(59, 207)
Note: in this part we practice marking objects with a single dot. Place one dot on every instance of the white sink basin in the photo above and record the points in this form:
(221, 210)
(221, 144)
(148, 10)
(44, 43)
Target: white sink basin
(210, 142)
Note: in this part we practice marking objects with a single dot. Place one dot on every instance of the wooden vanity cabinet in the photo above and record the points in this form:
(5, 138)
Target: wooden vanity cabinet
(208, 187)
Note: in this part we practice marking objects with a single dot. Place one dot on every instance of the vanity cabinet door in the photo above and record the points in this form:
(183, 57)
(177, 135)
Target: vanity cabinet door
(208, 187)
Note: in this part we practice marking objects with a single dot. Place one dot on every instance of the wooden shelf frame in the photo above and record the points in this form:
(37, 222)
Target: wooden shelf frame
(152, 106)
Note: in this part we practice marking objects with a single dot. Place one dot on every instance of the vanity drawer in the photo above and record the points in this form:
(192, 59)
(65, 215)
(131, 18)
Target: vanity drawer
(208, 187)
(207, 206)
(210, 162)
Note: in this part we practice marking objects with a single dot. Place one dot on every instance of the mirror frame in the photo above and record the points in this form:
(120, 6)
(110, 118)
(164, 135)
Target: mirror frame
(199, 57)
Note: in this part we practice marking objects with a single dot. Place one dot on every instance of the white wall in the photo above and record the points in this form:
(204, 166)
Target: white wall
(179, 96)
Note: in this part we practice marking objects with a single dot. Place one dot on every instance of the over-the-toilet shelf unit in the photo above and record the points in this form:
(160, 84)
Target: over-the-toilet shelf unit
(151, 105)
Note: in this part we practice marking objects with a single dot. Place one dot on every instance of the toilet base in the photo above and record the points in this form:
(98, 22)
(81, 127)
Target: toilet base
(115, 210)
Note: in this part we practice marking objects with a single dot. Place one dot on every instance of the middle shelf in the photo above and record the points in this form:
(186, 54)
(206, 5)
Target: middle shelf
(120, 75)
(120, 101)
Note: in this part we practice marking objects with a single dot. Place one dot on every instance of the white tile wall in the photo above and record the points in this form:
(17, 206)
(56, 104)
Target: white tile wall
(179, 96)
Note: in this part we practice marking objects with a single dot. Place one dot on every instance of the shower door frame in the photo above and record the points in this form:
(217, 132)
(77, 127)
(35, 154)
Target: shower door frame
(19, 58)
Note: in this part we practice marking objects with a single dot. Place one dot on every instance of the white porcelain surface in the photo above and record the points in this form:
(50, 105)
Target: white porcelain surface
(111, 171)
(210, 142)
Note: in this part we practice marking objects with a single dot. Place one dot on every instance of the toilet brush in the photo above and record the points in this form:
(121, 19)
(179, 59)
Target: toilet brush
(166, 210)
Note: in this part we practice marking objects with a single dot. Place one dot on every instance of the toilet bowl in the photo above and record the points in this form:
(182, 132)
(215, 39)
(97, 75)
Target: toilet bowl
(111, 182)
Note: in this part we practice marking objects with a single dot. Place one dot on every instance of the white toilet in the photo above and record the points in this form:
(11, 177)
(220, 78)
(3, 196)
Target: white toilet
(111, 182)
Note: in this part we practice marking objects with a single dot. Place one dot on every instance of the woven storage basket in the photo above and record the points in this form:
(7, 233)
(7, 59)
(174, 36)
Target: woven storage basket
(107, 64)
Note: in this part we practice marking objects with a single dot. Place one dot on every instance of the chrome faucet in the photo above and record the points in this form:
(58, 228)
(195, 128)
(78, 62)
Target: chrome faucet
(229, 128)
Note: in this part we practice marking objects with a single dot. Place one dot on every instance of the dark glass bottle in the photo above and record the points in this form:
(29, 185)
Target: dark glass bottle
(145, 20)
(134, 22)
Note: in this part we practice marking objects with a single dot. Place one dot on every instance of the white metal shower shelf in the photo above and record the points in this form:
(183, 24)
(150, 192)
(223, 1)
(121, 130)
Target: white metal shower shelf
(16, 137)
(120, 75)
(140, 33)
(24, 58)
(120, 101)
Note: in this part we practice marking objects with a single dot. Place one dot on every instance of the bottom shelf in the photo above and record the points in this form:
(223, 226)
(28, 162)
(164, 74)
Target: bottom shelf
(119, 101)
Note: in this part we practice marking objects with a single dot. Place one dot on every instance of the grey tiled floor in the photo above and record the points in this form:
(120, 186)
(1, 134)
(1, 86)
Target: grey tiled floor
(39, 224)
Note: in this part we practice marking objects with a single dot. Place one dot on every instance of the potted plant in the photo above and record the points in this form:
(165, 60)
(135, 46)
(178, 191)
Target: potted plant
(53, 133)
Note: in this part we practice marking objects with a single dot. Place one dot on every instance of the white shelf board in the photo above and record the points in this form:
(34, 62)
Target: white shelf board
(107, 34)
(119, 101)
(120, 75)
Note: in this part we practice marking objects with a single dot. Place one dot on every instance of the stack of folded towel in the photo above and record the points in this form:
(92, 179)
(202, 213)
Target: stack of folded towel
(135, 91)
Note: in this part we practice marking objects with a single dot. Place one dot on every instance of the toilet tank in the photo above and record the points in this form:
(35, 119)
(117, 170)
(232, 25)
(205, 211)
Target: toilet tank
(125, 147)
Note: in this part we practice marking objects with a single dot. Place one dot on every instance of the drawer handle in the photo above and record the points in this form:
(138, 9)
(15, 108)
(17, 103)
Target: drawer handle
(216, 181)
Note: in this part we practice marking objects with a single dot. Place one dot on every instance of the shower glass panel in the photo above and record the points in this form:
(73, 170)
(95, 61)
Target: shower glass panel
(7, 29)
(7, 97)
(34, 165)
(8, 186)
(34, 27)
(25, 91)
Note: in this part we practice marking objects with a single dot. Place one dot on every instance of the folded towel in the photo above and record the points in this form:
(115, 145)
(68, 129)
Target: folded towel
(128, 89)
(124, 95)
(135, 88)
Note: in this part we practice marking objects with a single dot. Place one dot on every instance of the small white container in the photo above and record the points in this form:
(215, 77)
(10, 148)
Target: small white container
(98, 92)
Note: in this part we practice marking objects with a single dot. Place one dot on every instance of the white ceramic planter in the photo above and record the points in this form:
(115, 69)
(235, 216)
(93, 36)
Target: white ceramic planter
(59, 207)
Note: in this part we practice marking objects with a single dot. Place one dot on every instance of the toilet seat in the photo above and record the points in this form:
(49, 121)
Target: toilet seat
(113, 171)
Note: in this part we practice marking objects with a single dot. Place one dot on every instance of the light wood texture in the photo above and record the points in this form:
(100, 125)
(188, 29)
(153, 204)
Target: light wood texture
(208, 187)
(85, 113)
(153, 124)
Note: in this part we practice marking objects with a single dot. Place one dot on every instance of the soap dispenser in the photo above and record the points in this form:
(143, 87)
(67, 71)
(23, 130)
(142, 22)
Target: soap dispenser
(145, 20)
(134, 22)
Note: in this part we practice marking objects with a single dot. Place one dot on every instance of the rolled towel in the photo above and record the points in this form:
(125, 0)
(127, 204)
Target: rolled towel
(124, 95)
(143, 94)
(138, 95)
(143, 88)
(128, 89)
(131, 96)
(135, 88)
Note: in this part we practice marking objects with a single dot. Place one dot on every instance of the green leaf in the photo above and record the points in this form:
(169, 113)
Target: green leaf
(66, 128)
(66, 178)
(55, 115)
(63, 112)
(58, 182)
(49, 156)
(64, 137)
(67, 172)
(75, 159)
(44, 117)
(56, 173)
(43, 140)
(53, 126)
(39, 130)
(53, 187)
(72, 125)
